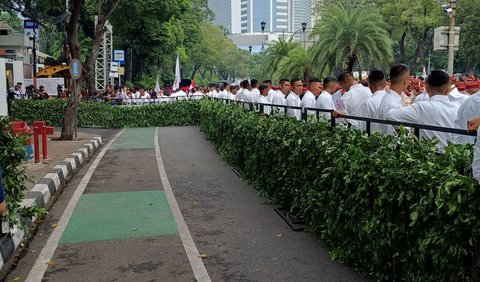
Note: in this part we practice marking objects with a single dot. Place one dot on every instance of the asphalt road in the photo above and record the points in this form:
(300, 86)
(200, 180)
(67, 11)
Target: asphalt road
(122, 228)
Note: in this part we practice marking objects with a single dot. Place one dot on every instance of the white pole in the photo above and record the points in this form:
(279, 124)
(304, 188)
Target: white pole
(451, 38)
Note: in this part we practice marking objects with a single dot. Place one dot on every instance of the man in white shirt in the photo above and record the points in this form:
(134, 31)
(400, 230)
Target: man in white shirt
(233, 92)
(197, 95)
(293, 99)
(438, 111)
(244, 87)
(268, 83)
(324, 100)
(263, 98)
(181, 94)
(278, 97)
(369, 109)
(355, 94)
(19, 94)
(472, 126)
(399, 79)
(467, 111)
(255, 92)
(309, 99)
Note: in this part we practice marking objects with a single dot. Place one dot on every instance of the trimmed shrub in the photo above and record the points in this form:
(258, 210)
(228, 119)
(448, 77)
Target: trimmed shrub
(104, 115)
(393, 208)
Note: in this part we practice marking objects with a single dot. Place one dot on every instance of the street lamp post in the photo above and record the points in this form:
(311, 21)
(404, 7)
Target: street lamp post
(262, 24)
(34, 54)
(304, 27)
(451, 36)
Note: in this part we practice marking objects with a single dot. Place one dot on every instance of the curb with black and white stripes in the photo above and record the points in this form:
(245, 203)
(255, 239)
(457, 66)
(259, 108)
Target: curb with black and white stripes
(42, 192)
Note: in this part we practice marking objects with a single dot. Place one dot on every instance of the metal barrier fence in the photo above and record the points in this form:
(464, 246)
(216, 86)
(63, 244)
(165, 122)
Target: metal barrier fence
(333, 120)
(146, 101)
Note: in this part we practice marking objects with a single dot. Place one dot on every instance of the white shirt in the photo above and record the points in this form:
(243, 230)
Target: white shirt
(256, 93)
(456, 97)
(181, 95)
(278, 98)
(293, 100)
(308, 101)
(270, 94)
(468, 110)
(232, 96)
(476, 158)
(369, 109)
(354, 98)
(391, 100)
(438, 111)
(336, 99)
(197, 95)
(240, 94)
(325, 102)
(264, 99)
(422, 97)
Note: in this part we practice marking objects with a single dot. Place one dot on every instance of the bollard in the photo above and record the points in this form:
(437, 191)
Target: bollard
(36, 143)
(44, 143)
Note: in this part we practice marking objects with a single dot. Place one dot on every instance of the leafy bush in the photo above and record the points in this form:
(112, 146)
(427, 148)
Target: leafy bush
(93, 114)
(11, 160)
(393, 208)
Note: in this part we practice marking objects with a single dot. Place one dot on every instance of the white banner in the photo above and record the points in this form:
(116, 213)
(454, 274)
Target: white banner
(51, 84)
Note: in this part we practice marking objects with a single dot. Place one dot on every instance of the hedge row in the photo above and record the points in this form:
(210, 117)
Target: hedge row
(104, 115)
(14, 178)
(393, 208)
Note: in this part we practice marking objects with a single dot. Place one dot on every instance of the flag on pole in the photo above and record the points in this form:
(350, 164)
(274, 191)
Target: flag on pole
(424, 72)
(192, 84)
(157, 87)
(176, 83)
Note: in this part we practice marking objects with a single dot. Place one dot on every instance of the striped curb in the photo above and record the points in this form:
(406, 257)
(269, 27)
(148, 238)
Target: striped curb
(43, 190)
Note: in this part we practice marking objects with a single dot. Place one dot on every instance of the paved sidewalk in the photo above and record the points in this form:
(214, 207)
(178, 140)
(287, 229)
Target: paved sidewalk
(57, 151)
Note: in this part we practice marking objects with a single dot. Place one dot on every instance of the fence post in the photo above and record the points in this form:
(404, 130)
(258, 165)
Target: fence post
(304, 114)
(44, 143)
(332, 121)
(261, 108)
(368, 127)
(251, 106)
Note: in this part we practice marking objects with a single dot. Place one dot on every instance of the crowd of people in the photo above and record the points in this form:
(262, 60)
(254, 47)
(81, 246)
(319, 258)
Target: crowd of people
(438, 100)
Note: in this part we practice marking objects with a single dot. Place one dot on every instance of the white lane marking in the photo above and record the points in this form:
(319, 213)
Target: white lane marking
(196, 263)
(38, 270)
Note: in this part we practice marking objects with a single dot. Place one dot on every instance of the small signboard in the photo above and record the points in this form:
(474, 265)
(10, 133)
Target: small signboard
(114, 66)
(30, 24)
(75, 69)
(121, 71)
(113, 74)
(119, 56)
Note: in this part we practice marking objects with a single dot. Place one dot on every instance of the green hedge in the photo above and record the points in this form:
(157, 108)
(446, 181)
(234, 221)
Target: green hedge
(393, 208)
(14, 178)
(104, 115)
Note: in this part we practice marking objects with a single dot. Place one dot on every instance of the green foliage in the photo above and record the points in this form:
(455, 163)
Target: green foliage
(349, 35)
(104, 115)
(12, 20)
(393, 208)
(274, 55)
(11, 160)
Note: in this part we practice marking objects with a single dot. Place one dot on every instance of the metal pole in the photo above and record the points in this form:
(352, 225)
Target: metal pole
(34, 53)
(75, 106)
(451, 37)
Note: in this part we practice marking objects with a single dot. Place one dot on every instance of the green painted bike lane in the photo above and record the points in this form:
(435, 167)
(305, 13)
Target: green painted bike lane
(122, 228)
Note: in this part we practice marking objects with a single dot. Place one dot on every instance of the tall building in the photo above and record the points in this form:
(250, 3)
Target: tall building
(280, 16)
(223, 12)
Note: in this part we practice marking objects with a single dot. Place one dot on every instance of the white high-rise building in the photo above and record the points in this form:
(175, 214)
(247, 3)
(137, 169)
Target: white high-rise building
(280, 16)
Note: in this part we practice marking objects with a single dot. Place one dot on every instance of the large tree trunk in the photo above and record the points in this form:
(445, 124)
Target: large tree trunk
(195, 69)
(72, 39)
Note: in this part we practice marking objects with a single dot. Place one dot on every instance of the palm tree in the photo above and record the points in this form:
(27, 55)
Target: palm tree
(274, 54)
(298, 63)
(349, 35)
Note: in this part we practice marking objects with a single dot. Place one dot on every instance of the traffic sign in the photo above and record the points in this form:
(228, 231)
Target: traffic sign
(119, 56)
(75, 69)
(30, 24)
(114, 66)
(113, 74)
